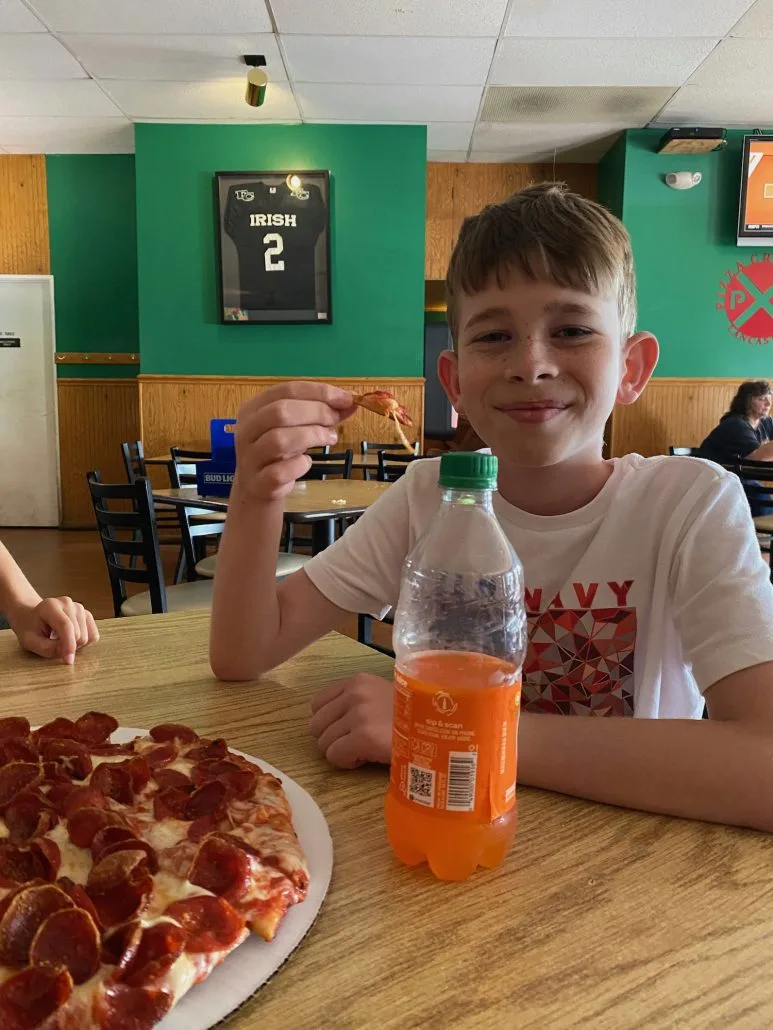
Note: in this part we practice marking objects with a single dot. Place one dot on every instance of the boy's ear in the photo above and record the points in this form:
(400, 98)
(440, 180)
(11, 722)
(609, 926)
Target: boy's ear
(448, 374)
(640, 356)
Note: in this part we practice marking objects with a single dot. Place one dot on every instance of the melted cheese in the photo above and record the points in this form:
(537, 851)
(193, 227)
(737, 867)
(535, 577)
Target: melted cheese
(4, 831)
(166, 889)
(76, 862)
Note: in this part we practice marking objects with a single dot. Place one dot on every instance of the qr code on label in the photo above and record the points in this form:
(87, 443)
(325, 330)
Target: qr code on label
(421, 785)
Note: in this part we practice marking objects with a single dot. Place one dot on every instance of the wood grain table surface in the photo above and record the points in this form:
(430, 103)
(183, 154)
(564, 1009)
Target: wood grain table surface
(308, 500)
(599, 918)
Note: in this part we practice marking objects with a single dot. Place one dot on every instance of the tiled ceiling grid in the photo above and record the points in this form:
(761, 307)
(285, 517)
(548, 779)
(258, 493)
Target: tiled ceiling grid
(494, 80)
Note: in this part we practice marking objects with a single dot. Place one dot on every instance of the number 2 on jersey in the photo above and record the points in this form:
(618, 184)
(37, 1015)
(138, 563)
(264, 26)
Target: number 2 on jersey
(277, 246)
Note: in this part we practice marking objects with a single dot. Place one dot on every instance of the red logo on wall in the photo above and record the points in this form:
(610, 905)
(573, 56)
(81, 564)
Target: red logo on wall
(747, 300)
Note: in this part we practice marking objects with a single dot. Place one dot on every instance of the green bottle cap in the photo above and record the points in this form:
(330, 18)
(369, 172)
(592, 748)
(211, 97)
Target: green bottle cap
(468, 470)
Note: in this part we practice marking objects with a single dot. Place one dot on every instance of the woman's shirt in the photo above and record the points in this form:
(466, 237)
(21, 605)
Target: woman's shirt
(734, 439)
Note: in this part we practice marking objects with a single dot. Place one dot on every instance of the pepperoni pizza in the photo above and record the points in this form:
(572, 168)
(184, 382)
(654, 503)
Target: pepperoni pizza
(129, 871)
(384, 403)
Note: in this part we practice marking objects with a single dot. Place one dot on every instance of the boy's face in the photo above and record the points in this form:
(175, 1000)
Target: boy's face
(539, 367)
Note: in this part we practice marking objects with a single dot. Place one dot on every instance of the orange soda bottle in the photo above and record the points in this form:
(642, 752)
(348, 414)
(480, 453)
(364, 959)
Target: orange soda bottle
(459, 639)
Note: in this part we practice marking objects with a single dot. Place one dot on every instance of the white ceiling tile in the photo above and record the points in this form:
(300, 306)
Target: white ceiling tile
(75, 98)
(367, 103)
(449, 135)
(201, 101)
(36, 56)
(574, 105)
(389, 59)
(597, 62)
(390, 18)
(165, 16)
(739, 63)
(447, 156)
(181, 58)
(615, 18)
(540, 142)
(697, 105)
(16, 17)
(67, 135)
(758, 23)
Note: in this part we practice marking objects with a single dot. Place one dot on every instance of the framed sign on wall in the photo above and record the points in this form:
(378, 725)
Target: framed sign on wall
(274, 233)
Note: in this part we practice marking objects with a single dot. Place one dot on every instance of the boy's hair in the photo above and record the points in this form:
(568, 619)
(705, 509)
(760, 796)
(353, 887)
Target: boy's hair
(546, 232)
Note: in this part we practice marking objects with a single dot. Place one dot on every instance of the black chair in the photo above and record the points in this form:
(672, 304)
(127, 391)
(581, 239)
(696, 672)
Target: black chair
(365, 632)
(166, 517)
(336, 465)
(369, 446)
(757, 481)
(128, 534)
(196, 529)
(684, 452)
(393, 466)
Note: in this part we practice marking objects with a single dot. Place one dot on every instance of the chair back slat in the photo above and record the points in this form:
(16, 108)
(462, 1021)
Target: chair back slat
(183, 473)
(368, 446)
(133, 460)
(331, 466)
(392, 466)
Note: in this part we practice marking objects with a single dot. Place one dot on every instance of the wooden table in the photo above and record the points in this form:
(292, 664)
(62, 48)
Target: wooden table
(318, 502)
(599, 918)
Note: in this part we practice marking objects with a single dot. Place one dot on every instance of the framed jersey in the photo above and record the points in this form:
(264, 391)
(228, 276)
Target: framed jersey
(274, 232)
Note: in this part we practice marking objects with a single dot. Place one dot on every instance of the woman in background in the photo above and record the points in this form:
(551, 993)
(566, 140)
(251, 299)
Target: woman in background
(746, 430)
(53, 628)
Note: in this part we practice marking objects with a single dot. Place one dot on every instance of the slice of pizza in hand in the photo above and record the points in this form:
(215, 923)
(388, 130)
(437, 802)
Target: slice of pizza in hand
(384, 403)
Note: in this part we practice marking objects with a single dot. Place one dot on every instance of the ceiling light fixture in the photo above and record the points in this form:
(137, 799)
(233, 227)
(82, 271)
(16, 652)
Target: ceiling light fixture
(257, 80)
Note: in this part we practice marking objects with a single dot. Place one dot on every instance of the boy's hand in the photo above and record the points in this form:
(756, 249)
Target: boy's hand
(275, 429)
(54, 628)
(352, 721)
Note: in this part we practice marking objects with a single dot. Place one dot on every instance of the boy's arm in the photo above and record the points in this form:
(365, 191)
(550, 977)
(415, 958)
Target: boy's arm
(52, 628)
(718, 770)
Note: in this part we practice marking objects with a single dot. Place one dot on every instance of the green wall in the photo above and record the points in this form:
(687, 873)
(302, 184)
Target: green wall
(378, 187)
(684, 245)
(92, 224)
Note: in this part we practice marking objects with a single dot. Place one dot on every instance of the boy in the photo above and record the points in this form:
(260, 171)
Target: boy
(653, 563)
(52, 628)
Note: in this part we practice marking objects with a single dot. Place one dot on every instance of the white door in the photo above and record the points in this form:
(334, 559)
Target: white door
(29, 438)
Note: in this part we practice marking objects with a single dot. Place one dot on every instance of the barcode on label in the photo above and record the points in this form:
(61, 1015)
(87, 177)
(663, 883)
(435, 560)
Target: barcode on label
(421, 785)
(462, 768)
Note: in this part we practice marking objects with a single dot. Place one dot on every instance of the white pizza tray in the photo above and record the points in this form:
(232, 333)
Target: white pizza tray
(255, 961)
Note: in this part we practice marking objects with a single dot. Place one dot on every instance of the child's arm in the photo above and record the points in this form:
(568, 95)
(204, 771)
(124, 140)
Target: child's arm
(257, 623)
(718, 770)
(53, 628)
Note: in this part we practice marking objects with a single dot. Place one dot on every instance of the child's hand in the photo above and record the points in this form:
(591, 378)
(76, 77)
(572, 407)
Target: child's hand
(275, 429)
(55, 628)
(352, 721)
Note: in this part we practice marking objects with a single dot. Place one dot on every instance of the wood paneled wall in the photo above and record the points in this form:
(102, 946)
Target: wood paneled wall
(24, 246)
(671, 412)
(455, 191)
(95, 417)
(176, 410)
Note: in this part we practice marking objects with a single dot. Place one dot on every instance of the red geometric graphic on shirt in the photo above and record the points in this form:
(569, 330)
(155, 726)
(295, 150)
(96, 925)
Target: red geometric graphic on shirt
(580, 661)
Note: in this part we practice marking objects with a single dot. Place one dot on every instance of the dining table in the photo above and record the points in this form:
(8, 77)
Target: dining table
(319, 503)
(598, 918)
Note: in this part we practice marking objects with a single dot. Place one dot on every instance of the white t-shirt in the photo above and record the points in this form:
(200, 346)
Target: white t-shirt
(637, 603)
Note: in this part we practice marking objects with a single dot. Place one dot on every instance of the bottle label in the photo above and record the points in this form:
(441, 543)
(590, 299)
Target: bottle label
(454, 748)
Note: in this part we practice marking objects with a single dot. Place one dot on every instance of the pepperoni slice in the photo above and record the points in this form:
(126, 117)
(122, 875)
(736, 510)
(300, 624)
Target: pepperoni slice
(71, 755)
(50, 856)
(29, 816)
(57, 728)
(18, 865)
(171, 778)
(120, 944)
(156, 756)
(27, 911)
(114, 870)
(120, 886)
(14, 726)
(82, 797)
(171, 803)
(222, 868)
(111, 750)
(16, 777)
(17, 749)
(109, 835)
(239, 780)
(30, 997)
(55, 774)
(95, 727)
(133, 844)
(84, 823)
(70, 938)
(208, 751)
(133, 1008)
(159, 948)
(78, 895)
(211, 924)
(139, 770)
(174, 731)
(206, 800)
(200, 828)
(114, 781)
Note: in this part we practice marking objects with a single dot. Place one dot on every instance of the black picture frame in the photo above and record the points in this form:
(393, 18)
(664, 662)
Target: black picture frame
(250, 265)
(762, 233)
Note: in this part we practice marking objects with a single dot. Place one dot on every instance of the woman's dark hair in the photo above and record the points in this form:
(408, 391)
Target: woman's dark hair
(741, 403)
